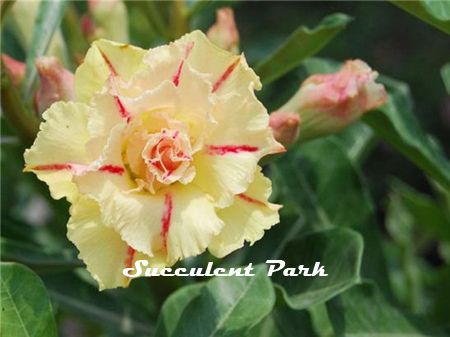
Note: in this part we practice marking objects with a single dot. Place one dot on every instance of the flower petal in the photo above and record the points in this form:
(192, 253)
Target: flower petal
(100, 246)
(227, 72)
(103, 59)
(60, 147)
(232, 151)
(247, 218)
(179, 222)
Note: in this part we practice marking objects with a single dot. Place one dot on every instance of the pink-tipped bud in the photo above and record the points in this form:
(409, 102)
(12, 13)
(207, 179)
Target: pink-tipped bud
(285, 126)
(15, 69)
(224, 32)
(328, 103)
(56, 83)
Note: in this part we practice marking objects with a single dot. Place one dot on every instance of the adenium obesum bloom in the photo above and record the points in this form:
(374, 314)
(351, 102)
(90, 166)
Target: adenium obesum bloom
(158, 155)
(56, 83)
(328, 103)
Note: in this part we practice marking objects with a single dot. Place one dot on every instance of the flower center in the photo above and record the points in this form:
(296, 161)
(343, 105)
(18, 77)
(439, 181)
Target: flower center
(161, 158)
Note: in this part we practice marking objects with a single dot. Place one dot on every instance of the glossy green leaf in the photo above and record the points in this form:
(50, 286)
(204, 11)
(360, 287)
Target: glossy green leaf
(445, 73)
(358, 140)
(173, 308)
(331, 193)
(339, 250)
(395, 123)
(425, 211)
(433, 12)
(284, 322)
(302, 43)
(49, 17)
(225, 306)
(363, 312)
(119, 310)
(25, 307)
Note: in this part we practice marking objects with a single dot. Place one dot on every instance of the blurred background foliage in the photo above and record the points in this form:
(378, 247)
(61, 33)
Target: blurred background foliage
(360, 194)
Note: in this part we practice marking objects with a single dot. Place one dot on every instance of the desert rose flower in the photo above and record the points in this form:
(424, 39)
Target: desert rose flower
(224, 32)
(328, 103)
(56, 83)
(158, 155)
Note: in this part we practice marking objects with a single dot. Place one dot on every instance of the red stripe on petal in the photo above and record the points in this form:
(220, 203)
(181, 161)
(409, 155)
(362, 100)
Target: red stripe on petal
(114, 169)
(166, 219)
(251, 200)
(123, 112)
(225, 75)
(109, 64)
(52, 167)
(176, 77)
(130, 257)
(225, 149)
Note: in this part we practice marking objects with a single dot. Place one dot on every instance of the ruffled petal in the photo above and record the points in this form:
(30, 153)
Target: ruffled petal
(60, 150)
(233, 147)
(247, 218)
(108, 169)
(101, 247)
(103, 60)
(227, 72)
(178, 223)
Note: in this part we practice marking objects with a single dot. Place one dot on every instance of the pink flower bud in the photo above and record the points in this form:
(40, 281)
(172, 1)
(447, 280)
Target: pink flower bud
(56, 83)
(15, 69)
(224, 32)
(328, 103)
(285, 126)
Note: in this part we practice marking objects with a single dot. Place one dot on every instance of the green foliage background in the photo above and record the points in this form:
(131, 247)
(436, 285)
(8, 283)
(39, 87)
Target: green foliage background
(371, 203)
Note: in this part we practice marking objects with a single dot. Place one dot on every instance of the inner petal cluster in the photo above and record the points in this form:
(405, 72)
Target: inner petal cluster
(160, 158)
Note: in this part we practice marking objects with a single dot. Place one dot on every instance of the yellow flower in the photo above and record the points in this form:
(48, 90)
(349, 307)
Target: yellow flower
(159, 155)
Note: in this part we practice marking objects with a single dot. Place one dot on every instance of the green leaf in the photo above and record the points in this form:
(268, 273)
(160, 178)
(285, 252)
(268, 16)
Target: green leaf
(358, 140)
(425, 211)
(395, 123)
(121, 310)
(34, 256)
(302, 43)
(331, 193)
(445, 73)
(339, 250)
(26, 309)
(433, 12)
(225, 306)
(173, 308)
(49, 17)
(284, 322)
(363, 312)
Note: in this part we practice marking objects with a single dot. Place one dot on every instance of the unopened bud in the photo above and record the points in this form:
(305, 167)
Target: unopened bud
(110, 19)
(224, 32)
(327, 103)
(56, 83)
(285, 126)
(15, 69)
